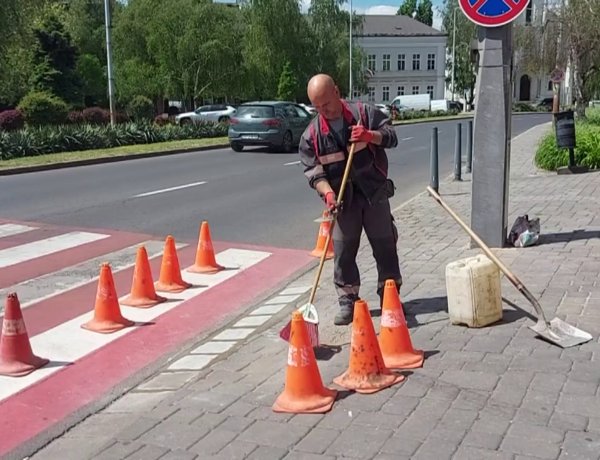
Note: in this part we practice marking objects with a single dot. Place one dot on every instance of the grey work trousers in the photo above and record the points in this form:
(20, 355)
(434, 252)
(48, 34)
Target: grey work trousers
(377, 220)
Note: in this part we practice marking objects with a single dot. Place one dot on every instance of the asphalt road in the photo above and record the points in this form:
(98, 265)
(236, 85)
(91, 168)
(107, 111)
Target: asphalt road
(253, 197)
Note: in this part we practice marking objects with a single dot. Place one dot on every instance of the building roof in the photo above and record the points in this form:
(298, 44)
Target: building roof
(393, 25)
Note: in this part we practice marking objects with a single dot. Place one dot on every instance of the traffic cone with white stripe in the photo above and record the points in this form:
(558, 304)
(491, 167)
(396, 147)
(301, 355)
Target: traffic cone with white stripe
(205, 254)
(394, 338)
(324, 230)
(107, 312)
(16, 357)
(170, 279)
(304, 391)
(366, 373)
(143, 294)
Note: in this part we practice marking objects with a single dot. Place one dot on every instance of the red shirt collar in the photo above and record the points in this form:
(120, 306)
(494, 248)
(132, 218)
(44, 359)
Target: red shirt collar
(346, 113)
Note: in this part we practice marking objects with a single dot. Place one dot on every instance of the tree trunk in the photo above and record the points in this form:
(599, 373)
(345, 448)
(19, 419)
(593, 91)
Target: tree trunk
(581, 101)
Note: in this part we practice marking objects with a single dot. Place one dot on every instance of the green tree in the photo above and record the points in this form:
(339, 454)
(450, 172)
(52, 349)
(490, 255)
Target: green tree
(54, 59)
(288, 84)
(270, 41)
(329, 28)
(93, 80)
(579, 20)
(16, 47)
(425, 12)
(407, 8)
(181, 49)
(464, 68)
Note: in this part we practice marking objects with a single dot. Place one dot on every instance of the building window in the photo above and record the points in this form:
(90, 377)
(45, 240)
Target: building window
(371, 94)
(386, 93)
(400, 91)
(416, 62)
(415, 90)
(430, 90)
(401, 62)
(356, 94)
(431, 61)
(387, 59)
(528, 12)
(371, 60)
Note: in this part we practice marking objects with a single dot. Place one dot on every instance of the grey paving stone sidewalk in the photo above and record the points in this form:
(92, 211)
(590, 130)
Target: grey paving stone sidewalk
(492, 393)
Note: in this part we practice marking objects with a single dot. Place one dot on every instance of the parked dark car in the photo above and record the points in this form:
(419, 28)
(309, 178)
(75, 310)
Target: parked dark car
(455, 105)
(275, 124)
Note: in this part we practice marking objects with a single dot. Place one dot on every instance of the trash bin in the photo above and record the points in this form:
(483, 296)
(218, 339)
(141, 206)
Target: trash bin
(565, 129)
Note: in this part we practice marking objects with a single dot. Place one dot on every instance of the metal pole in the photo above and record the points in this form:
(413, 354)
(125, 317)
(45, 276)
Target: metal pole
(457, 152)
(111, 82)
(469, 145)
(434, 179)
(453, 48)
(350, 95)
(571, 157)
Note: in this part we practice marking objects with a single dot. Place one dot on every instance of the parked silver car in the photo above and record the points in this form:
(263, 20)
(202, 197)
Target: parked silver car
(213, 113)
(276, 124)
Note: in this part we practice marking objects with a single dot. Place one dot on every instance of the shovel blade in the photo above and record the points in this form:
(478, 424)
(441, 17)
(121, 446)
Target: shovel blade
(561, 333)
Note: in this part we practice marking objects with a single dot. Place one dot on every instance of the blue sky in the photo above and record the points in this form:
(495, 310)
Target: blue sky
(387, 7)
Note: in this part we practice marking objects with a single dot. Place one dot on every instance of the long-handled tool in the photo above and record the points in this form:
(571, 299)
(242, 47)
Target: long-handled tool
(309, 310)
(556, 331)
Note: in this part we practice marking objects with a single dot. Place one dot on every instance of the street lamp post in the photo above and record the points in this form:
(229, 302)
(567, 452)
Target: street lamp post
(453, 48)
(111, 81)
(350, 94)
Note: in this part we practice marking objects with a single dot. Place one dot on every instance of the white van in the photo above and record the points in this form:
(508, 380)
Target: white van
(439, 105)
(412, 102)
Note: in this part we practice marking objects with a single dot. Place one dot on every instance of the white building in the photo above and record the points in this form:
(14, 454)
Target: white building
(405, 57)
(528, 86)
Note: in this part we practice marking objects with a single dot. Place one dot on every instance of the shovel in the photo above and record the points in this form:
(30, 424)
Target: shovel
(308, 310)
(556, 331)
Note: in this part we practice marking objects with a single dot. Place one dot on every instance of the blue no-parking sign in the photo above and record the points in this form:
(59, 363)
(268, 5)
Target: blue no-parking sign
(492, 13)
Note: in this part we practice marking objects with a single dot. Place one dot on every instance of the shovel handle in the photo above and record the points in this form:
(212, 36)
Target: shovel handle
(510, 275)
(332, 225)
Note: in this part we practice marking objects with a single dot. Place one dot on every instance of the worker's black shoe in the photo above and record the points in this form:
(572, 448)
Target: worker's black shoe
(343, 317)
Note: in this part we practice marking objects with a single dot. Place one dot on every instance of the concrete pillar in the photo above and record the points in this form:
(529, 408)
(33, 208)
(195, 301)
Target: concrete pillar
(492, 132)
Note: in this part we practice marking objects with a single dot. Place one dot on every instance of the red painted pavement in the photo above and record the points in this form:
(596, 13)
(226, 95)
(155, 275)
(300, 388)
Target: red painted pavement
(38, 407)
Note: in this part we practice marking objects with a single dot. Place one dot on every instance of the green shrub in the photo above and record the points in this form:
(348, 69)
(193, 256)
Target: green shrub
(140, 108)
(593, 116)
(418, 114)
(43, 108)
(587, 152)
(68, 138)
(526, 107)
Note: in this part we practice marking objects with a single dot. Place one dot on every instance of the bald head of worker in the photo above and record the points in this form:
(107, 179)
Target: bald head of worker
(324, 95)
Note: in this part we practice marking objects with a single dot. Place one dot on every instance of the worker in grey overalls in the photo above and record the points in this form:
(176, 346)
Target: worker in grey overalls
(323, 149)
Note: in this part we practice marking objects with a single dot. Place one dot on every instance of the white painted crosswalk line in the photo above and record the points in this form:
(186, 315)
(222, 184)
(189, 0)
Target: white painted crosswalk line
(43, 287)
(40, 248)
(14, 229)
(57, 344)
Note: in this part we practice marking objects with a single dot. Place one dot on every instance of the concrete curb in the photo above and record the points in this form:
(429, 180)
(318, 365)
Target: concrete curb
(95, 161)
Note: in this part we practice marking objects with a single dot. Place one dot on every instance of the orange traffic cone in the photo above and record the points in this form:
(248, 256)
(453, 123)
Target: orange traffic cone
(16, 357)
(324, 229)
(170, 279)
(142, 293)
(205, 255)
(304, 391)
(367, 372)
(107, 313)
(394, 338)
